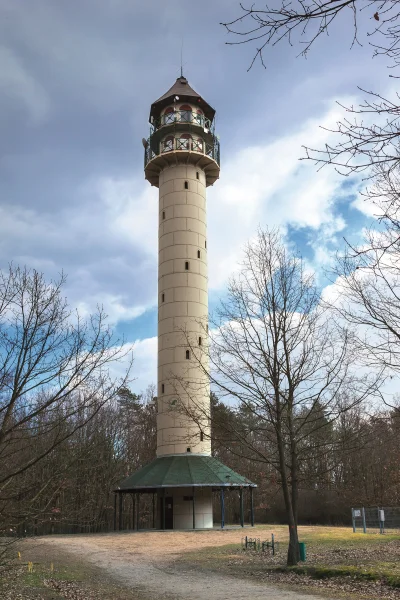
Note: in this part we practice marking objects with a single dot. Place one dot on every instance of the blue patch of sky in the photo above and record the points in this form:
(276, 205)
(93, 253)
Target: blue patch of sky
(307, 239)
(143, 326)
(300, 240)
(214, 301)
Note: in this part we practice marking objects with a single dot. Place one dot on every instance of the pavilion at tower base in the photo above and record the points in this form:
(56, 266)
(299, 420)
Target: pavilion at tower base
(182, 486)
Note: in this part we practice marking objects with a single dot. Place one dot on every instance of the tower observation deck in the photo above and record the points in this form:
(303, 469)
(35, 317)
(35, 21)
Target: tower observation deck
(182, 158)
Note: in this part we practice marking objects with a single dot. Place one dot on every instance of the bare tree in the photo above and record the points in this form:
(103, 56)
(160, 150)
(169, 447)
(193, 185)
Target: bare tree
(281, 358)
(384, 195)
(369, 277)
(368, 135)
(54, 375)
(364, 143)
(367, 287)
(138, 417)
(305, 21)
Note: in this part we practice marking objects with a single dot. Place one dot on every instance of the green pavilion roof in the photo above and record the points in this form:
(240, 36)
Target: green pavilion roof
(184, 471)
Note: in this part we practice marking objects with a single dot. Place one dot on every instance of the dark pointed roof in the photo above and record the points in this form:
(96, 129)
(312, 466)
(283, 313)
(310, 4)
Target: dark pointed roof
(182, 89)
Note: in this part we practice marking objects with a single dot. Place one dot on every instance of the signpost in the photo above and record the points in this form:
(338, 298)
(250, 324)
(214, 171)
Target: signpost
(355, 512)
(381, 517)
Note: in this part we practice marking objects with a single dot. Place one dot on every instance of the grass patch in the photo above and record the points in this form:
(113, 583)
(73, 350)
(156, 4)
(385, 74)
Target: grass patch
(322, 534)
(42, 571)
(346, 571)
(58, 574)
(333, 553)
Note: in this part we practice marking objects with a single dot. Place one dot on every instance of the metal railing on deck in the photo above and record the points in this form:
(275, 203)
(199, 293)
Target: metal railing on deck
(212, 150)
(183, 116)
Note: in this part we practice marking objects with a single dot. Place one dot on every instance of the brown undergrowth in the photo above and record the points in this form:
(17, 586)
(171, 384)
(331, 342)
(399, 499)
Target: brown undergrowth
(117, 566)
(40, 575)
(353, 565)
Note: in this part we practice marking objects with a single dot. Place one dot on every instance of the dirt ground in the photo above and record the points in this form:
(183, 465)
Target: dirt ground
(145, 562)
(201, 565)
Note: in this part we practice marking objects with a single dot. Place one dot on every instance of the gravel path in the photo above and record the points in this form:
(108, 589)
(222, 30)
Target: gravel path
(145, 561)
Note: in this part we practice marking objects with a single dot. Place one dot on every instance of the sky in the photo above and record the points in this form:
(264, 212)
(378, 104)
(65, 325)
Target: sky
(77, 80)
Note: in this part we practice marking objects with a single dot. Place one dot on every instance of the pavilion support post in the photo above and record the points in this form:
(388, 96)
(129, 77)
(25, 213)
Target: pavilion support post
(133, 511)
(154, 510)
(137, 512)
(251, 507)
(194, 507)
(222, 508)
(115, 512)
(120, 512)
(163, 509)
(241, 508)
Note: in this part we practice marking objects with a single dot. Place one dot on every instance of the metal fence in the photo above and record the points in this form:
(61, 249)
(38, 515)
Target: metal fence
(375, 519)
(200, 146)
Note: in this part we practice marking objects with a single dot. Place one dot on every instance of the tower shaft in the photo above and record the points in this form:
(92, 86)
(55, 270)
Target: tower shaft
(183, 387)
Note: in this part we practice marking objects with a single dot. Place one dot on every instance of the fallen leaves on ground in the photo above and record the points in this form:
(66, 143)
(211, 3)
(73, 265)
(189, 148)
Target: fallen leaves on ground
(71, 590)
(262, 566)
(10, 588)
(368, 589)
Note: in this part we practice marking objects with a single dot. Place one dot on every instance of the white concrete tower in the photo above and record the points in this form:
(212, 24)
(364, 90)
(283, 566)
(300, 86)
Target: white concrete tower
(182, 159)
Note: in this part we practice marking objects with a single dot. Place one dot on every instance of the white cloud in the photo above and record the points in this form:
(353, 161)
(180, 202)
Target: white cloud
(112, 304)
(104, 265)
(267, 185)
(109, 245)
(144, 370)
(260, 185)
(365, 206)
(132, 210)
(335, 295)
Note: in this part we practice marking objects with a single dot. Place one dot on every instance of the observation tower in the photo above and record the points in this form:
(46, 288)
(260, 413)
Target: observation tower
(182, 159)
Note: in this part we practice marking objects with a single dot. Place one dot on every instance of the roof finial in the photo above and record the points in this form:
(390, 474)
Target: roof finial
(182, 58)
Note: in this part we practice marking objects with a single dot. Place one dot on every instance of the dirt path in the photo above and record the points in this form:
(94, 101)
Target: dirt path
(145, 561)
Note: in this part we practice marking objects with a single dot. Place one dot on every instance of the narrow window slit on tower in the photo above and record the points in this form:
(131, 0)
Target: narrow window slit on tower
(205, 243)
(163, 215)
(198, 254)
(186, 266)
(197, 175)
(201, 436)
(186, 185)
(162, 297)
(187, 354)
(162, 388)
(200, 340)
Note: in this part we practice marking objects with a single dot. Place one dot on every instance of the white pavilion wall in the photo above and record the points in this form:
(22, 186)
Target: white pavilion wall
(183, 509)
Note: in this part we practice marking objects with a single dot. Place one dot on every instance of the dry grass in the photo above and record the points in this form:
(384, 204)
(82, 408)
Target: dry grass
(55, 575)
(359, 565)
(338, 562)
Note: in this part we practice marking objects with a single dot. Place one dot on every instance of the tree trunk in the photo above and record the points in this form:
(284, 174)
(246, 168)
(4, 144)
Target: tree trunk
(293, 556)
(293, 550)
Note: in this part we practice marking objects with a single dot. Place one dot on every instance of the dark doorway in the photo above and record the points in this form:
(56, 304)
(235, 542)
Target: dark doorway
(168, 515)
(169, 512)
